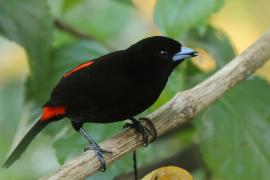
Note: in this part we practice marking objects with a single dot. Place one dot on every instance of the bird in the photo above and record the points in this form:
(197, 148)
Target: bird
(114, 87)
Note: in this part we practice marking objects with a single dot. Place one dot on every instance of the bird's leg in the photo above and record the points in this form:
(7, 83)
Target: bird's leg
(95, 147)
(140, 128)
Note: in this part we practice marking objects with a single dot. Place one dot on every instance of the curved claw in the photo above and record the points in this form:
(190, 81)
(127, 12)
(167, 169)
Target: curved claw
(128, 125)
(101, 160)
(144, 131)
(99, 153)
(95, 147)
(140, 128)
(149, 122)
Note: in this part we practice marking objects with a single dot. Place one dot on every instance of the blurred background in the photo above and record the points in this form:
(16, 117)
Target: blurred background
(230, 140)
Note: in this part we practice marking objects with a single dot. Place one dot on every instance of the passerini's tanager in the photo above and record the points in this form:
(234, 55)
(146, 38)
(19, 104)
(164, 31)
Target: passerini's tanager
(111, 88)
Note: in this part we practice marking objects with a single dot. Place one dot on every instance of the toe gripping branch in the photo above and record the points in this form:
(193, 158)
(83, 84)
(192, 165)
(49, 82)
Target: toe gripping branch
(144, 131)
(137, 125)
(96, 148)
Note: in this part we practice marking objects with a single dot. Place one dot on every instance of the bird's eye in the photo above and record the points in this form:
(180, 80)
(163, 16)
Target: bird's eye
(163, 54)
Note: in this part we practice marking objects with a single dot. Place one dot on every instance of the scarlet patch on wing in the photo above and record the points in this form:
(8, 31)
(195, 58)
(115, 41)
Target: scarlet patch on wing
(50, 112)
(78, 68)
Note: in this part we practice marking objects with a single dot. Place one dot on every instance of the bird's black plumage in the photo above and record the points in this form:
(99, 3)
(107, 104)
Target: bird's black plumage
(116, 86)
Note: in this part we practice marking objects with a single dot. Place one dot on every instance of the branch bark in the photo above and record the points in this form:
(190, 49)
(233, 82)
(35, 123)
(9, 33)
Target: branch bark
(178, 111)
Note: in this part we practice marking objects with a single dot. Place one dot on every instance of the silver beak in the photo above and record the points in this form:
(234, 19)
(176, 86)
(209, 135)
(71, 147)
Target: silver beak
(184, 53)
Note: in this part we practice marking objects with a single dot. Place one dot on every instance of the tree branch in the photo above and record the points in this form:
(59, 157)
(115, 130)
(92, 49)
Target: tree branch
(178, 111)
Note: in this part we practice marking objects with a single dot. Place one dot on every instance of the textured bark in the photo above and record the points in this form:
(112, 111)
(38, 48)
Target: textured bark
(179, 110)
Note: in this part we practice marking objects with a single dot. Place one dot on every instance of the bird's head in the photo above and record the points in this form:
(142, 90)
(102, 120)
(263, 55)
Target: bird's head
(159, 51)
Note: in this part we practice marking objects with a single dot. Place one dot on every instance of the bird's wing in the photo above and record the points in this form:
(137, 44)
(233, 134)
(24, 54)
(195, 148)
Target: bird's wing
(99, 83)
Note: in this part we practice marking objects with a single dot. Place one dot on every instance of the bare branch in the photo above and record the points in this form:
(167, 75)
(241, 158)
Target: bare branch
(178, 111)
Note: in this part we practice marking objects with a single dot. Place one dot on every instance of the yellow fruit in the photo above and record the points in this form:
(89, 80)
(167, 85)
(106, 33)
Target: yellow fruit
(168, 173)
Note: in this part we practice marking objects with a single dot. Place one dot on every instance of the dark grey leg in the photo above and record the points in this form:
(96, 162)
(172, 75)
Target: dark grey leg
(95, 147)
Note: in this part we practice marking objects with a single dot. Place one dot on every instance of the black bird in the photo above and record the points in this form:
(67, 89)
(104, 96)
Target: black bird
(111, 88)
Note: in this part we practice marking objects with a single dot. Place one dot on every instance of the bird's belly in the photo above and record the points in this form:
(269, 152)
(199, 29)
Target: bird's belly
(141, 98)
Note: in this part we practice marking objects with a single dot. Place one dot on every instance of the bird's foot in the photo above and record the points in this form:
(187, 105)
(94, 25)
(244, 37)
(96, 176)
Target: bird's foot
(140, 128)
(99, 153)
(95, 147)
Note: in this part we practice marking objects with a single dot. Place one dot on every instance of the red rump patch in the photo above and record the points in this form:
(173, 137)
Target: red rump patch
(78, 68)
(50, 112)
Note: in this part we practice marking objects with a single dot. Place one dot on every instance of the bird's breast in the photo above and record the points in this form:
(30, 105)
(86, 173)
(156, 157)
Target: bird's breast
(145, 92)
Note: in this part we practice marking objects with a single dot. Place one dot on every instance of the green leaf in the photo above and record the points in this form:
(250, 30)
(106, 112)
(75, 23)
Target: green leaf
(126, 2)
(29, 23)
(68, 4)
(235, 133)
(214, 41)
(10, 110)
(175, 17)
(98, 18)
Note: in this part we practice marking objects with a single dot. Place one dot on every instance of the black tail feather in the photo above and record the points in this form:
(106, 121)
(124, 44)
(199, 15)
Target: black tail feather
(26, 140)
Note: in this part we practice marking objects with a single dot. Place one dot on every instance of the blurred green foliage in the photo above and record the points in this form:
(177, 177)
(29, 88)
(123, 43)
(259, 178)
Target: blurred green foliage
(232, 134)
(214, 41)
(235, 132)
(29, 23)
(175, 17)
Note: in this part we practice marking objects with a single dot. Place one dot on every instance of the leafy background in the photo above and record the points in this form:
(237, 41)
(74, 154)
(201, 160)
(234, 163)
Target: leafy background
(230, 140)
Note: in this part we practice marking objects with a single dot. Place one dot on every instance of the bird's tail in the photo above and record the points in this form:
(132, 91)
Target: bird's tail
(26, 140)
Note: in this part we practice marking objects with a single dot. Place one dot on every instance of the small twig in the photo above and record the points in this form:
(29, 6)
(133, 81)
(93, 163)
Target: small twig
(178, 111)
(136, 176)
(77, 33)
(189, 159)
